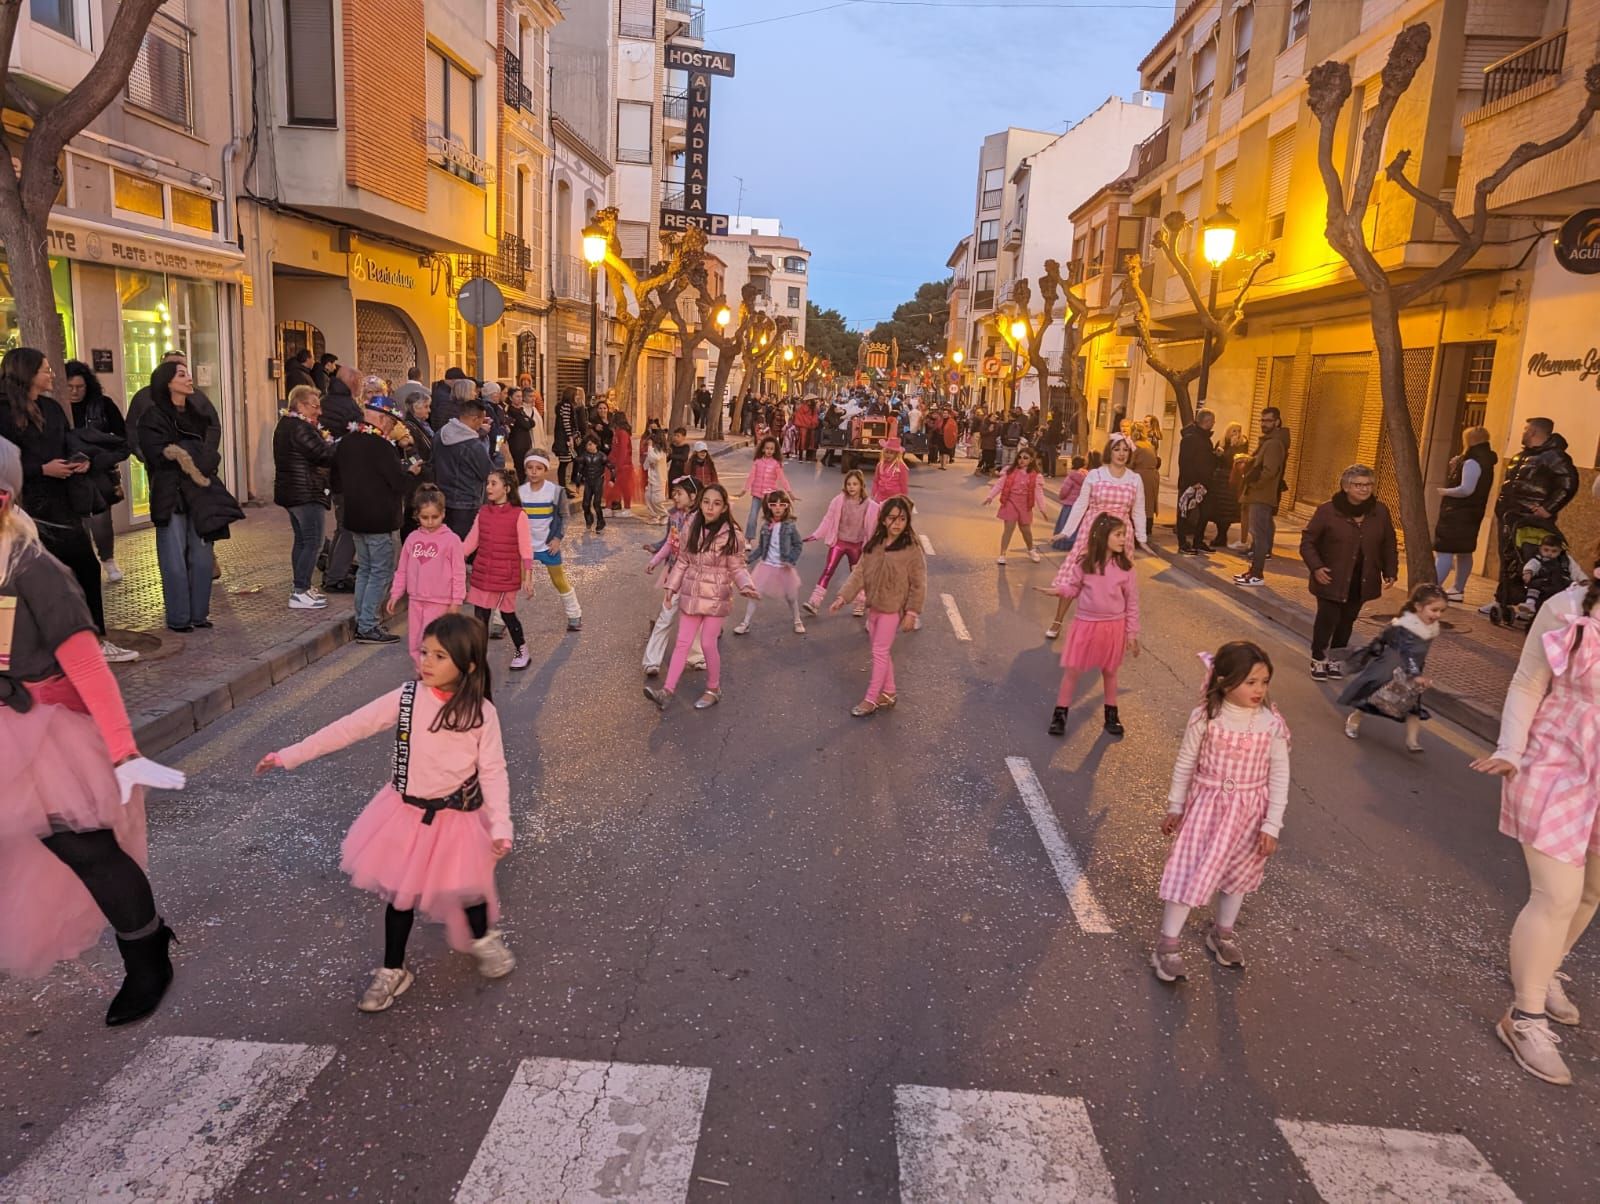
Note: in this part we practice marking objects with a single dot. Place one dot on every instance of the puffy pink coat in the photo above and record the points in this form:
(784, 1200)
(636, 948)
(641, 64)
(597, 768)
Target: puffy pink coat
(705, 581)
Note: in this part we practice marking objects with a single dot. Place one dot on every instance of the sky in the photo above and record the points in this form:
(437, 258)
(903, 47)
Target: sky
(860, 125)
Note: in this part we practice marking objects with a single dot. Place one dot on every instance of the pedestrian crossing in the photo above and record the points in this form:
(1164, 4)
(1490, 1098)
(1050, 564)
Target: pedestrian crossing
(185, 1117)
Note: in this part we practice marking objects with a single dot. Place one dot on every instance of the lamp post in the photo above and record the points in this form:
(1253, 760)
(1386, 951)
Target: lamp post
(1217, 235)
(594, 254)
(788, 369)
(1019, 331)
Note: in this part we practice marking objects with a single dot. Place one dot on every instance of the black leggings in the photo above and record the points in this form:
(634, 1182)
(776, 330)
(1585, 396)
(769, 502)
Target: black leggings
(72, 546)
(397, 931)
(513, 624)
(593, 505)
(113, 879)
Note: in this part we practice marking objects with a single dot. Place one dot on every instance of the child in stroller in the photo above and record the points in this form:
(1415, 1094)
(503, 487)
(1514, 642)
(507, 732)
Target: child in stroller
(1541, 569)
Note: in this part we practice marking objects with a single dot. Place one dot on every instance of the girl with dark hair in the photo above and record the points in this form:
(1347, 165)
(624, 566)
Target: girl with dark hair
(893, 576)
(1020, 496)
(1107, 623)
(1230, 788)
(621, 493)
(851, 517)
(1112, 488)
(99, 424)
(709, 567)
(1549, 758)
(502, 541)
(431, 836)
(1403, 649)
(685, 499)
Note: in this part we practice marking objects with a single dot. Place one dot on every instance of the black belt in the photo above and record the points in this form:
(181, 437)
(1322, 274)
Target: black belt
(467, 797)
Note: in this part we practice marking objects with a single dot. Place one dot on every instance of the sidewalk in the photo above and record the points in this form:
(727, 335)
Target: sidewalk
(1471, 663)
(181, 683)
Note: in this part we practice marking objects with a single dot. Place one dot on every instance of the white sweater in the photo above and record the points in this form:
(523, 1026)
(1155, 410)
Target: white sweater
(1235, 719)
(1531, 681)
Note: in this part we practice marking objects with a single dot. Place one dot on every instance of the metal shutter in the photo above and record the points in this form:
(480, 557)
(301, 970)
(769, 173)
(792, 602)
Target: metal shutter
(1280, 159)
(1484, 51)
(1225, 176)
(308, 59)
(384, 346)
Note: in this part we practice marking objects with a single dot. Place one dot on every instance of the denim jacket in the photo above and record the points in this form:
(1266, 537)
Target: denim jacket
(789, 544)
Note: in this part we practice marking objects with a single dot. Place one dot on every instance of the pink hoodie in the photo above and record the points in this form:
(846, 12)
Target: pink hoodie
(432, 568)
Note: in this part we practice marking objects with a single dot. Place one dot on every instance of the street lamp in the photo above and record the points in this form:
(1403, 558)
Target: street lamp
(595, 244)
(1217, 235)
(724, 316)
(788, 369)
(1019, 331)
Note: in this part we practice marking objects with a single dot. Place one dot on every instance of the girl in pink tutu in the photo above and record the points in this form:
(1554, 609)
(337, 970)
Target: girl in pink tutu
(432, 569)
(1107, 623)
(772, 558)
(1020, 495)
(72, 824)
(431, 836)
(1229, 791)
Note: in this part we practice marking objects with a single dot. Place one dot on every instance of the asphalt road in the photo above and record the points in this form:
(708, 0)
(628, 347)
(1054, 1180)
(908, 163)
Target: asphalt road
(771, 952)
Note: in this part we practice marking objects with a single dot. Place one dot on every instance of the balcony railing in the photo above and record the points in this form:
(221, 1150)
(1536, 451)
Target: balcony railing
(518, 94)
(1153, 151)
(509, 265)
(448, 153)
(672, 200)
(1525, 68)
(571, 281)
(675, 106)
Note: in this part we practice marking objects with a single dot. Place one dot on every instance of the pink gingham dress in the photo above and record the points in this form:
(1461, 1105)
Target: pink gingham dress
(1552, 804)
(1218, 846)
(1105, 497)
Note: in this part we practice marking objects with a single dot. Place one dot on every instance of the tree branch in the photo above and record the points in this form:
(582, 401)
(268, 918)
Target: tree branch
(1396, 171)
(1178, 379)
(1328, 87)
(1162, 240)
(1236, 313)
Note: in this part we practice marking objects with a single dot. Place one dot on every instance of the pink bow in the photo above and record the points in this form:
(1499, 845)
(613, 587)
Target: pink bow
(1560, 643)
(1206, 659)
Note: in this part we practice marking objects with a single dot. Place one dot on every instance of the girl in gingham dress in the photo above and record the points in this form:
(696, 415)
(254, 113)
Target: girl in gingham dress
(1113, 488)
(1229, 791)
(1549, 756)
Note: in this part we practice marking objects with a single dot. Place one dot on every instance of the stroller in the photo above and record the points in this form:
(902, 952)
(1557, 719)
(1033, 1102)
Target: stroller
(1516, 602)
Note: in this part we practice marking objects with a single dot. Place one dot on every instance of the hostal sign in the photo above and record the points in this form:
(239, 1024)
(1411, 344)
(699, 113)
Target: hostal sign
(701, 66)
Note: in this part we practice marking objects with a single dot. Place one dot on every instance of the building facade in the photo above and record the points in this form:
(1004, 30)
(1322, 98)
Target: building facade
(779, 266)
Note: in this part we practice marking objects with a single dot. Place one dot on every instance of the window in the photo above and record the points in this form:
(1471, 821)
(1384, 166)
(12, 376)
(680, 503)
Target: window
(636, 18)
(794, 298)
(454, 138)
(1299, 19)
(308, 62)
(194, 210)
(795, 264)
(983, 290)
(135, 194)
(633, 131)
(59, 15)
(1280, 159)
(1225, 178)
(1097, 249)
(994, 183)
(1203, 76)
(1244, 23)
(160, 82)
(989, 238)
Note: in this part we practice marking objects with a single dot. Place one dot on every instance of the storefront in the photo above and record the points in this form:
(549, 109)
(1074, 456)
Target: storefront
(61, 278)
(403, 311)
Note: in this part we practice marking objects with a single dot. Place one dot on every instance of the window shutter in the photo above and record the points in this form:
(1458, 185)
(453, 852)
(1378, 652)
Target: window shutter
(1205, 65)
(308, 59)
(1280, 159)
(635, 240)
(1481, 52)
(1225, 175)
(1244, 26)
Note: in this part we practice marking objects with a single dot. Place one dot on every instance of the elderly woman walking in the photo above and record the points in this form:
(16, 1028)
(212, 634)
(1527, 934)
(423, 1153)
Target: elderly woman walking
(1350, 547)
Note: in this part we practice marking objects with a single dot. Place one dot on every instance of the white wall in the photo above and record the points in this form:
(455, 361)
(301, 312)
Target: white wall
(1561, 326)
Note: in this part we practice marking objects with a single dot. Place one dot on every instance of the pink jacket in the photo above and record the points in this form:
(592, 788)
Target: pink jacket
(432, 568)
(1020, 488)
(440, 761)
(704, 581)
(828, 529)
(1072, 486)
(765, 476)
(1112, 594)
(891, 480)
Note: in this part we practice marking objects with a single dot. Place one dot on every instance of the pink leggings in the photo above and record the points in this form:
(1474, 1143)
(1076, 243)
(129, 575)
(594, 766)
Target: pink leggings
(881, 626)
(836, 553)
(419, 615)
(1069, 680)
(708, 628)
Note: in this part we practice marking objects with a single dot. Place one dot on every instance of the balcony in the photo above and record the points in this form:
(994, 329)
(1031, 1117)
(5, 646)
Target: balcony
(673, 200)
(518, 95)
(571, 282)
(1152, 152)
(447, 152)
(685, 18)
(1530, 65)
(1013, 235)
(510, 265)
(675, 107)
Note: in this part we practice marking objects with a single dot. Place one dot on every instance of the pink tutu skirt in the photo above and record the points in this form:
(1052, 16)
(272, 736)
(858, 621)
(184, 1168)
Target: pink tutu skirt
(439, 868)
(58, 779)
(776, 580)
(1094, 644)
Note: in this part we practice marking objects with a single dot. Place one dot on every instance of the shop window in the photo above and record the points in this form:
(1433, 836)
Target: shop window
(135, 194)
(194, 210)
(11, 324)
(308, 62)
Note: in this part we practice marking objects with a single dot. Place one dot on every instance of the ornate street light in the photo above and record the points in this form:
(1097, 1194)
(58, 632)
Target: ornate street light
(1019, 330)
(723, 317)
(595, 245)
(1217, 236)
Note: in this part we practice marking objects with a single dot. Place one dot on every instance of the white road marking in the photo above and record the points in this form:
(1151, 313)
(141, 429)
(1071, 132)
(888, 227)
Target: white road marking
(591, 1131)
(997, 1145)
(177, 1123)
(1090, 916)
(927, 544)
(1354, 1163)
(954, 612)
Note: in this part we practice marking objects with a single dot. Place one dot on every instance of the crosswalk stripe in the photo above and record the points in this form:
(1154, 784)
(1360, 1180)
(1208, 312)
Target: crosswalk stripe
(927, 544)
(997, 1145)
(1351, 1164)
(1069, 870)
(591, 1131)
(954, 613)
(177, 1123)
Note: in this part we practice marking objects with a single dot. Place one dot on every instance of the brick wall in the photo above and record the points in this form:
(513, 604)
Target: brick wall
(385, 99)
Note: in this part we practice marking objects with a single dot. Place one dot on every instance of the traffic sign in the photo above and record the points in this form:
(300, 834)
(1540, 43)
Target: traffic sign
(481, 302)
(954, 390)
(991, 365)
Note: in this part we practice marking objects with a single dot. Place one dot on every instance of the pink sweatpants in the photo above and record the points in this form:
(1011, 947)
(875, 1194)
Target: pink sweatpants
(419, 615)
(708, 628)
(881, 626)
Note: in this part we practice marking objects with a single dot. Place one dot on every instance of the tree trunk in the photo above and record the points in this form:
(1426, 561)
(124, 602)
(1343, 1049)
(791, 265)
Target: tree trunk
(28, 267)
(718, 388)
(627, 383)
(1404, 453)
(683, 390)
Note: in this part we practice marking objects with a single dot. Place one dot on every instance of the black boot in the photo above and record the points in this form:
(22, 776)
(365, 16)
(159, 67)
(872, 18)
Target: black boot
(149, 974)
(1058, 721)
(1113, 724)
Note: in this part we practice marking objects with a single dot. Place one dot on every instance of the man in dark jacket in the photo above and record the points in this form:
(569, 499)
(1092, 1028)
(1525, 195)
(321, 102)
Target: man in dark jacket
(327, 366)
(1539, 482)
(297, 372)
(445, 406)
(375, 482)
(461, 466)
(340, 413)
(302, 454)
(1196, 461)
(1263, 486)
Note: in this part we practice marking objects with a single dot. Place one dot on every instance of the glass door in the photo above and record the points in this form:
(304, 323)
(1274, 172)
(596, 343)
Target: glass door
(147, 333)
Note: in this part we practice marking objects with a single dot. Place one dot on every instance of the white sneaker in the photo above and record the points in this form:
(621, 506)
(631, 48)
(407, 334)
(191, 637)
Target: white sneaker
(115, 655)
(1487, 608)
(999, 559)
(307, 600)
(521, 660)
(1033, 555)
(742, 629)
(1352, 725)
(494, 959)
(387, 986)
(1556, 1004)
(113, 573)
(1533, 1045)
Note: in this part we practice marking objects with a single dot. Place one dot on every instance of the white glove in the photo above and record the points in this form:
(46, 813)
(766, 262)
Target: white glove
(143, 772)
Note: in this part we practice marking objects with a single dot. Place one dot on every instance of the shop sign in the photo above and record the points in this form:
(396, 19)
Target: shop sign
(691, 58)
(1578, 244)
(696, 159)
(714, 224)
(101, 361)
(1584, 367)
(366, 268)
(87, 243)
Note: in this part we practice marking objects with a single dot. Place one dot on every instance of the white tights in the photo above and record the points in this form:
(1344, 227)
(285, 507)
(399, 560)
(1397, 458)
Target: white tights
(792, 601)
(1175, 915)
(1561, 901)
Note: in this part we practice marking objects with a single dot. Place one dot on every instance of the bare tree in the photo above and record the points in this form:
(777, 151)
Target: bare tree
(31, 181)
(729, 347)
(1220, 324)
(1053, 288)
(1328, 89)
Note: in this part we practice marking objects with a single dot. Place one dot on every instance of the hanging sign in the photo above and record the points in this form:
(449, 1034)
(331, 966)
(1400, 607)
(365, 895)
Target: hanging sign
(693, 58)
(696, 168)
(1578, 245)
(714, 224)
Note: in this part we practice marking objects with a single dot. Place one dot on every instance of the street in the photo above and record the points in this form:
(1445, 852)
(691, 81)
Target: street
(771, 952)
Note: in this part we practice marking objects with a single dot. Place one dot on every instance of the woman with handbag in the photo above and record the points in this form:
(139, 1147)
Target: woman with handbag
(1353, 554)
(98, 422)
(1391, 680)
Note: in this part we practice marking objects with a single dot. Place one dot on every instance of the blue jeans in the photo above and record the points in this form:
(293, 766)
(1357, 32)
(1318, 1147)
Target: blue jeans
(185, 562)
(374, 575)
(1463, 566)
(308, 521)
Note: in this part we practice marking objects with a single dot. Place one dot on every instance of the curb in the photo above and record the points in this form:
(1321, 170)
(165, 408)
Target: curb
(1448, 705)
(203, 703)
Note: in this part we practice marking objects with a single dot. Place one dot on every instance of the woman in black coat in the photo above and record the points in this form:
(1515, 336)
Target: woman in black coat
(98, 422)
(1464, 499)
(179, 436)
(302, 455)
(1351, 549)
(1222, 495)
